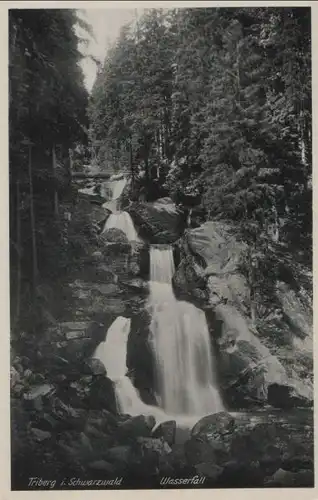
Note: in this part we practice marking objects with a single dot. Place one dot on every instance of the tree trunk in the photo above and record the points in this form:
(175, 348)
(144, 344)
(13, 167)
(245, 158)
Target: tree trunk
(17, 314)
(56, 197)
(131, 164)
(32, 217)
(70, 155)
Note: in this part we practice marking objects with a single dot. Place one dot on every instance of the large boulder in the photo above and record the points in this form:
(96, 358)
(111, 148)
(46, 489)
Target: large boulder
(140, 357)
(166, 431)
(209, 266)
(94, 366)
(276, 348)
(215, 246)
(189, 279)
(115, 240)
(102, 394)
(244, 451)
(286, 396)
(91, 195)
(246, 366)
(159, 221)
(135, 427)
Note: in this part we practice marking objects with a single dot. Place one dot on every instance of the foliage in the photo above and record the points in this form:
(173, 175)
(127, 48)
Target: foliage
(216, 103)
(47, 118)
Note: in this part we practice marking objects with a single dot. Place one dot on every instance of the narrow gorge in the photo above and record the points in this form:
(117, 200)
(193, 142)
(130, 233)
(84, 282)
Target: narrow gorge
(165, 361)
(161, 273)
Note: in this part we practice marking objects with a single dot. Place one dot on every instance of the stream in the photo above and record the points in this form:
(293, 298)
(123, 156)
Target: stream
(185, 372)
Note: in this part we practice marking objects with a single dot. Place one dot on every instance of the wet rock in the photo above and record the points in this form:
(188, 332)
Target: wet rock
(140, 357)
(17, 389)
(277, 347)
(189, 279)
(198, 451)
(152, 455)
(74, 335)
(90, 195)
(97, 256)
(297, 308)
(102, 394)
(159, 222)
(176, 462)
(59, 361)
(153, 448)
(166, 431)
(98, 214)
(136, 285)
(14, 377)
(286, 479)
(102, 420)
(219, 423)
(246, 366)
(74, 325)
(102, 465)
(211, 438)
(115, 240)
(285, 396)
(39, 391)
(95, 367)
(77, 349)
(46, 422)
(63, 411)
(216, 247)
(210, 470)
(249, 450)
(241, 475)
(40, 435)
(134, 427)
(119, 456)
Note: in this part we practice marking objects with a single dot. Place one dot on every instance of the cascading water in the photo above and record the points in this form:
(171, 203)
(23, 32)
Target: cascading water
(112, 353)
(123, 221)
(118, 188)
(181, 345)
(186, 388)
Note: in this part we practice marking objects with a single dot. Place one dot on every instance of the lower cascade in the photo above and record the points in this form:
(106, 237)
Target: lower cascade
(112, 352)
(186, 388)
(181, 344)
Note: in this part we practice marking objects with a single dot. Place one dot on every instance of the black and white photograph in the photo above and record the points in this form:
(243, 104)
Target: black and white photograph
(160, 242)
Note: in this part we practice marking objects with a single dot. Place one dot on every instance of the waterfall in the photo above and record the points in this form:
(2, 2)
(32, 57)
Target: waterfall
(179, 337)
(112, 353)
(123, 221)
(181, 345)
(118, 188)
(120, 220)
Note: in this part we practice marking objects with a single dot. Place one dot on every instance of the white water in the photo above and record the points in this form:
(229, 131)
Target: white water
(180, 340)
(120, 220)
(112, 353)
(118, 188)
(181, 345)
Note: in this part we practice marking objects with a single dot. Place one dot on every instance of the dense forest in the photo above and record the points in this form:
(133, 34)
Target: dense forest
(47, 119)
(214, 105)
(161, 250)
